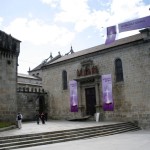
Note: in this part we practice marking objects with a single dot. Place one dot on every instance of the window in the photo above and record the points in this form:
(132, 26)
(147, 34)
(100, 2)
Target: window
(64, 79)
(118, 70)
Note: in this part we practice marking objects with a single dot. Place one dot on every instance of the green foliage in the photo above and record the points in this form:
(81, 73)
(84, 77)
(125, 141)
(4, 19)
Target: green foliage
(5, 124)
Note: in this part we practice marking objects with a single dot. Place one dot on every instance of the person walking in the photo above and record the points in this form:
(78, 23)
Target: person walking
(38, 118)
(19, 120)
(43, 118)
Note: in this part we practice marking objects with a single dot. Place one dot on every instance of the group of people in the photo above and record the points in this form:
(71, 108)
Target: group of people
(42, 117)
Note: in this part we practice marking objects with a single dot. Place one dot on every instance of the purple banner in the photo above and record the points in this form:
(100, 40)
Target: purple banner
(108, 104)
(111, 35)
(135, 24)
(73, 96)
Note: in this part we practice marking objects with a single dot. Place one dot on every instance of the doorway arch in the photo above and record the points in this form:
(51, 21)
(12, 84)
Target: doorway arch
(90, 101)
(42, 106)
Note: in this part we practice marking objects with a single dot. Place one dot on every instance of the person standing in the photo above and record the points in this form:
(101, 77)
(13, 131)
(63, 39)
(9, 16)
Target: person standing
(43, 118)
(38, 118)
(19, 120)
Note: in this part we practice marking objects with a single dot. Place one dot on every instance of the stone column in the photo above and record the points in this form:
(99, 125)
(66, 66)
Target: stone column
(81, 107)
(97, 96)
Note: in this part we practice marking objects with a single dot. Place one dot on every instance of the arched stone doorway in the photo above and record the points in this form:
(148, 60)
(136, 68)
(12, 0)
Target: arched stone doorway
(90, 101)
(88, 81)
(41, 104)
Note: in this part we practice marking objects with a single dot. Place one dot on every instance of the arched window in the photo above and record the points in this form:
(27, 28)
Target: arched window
(64, 79)
(118, 70)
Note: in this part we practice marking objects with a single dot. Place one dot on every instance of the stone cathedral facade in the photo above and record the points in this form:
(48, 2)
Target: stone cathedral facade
(128, 62)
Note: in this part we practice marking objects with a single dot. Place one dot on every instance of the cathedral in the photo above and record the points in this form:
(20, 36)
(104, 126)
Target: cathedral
(112, 80)
(109, 80)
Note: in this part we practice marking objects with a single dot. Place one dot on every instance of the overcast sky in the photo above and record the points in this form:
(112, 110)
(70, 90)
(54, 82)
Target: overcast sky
(52, 26)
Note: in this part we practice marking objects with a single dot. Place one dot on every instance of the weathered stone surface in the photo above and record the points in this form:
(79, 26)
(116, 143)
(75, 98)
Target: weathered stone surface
(29, 105)
(131, 96)
(9, 51)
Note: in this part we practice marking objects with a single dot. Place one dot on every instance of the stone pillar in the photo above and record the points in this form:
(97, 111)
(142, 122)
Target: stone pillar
(97, 96)
(81, 107)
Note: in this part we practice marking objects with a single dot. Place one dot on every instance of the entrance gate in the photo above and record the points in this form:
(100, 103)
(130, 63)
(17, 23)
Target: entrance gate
(41, 104)
(90, 101)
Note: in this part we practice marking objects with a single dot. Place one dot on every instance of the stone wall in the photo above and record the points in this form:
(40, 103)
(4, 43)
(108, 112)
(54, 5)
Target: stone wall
(36, 73)
(9, 51)
(59, 98)
(29, 104)
(8, 87)
(29, 80)
(26, 83)
(131, 97)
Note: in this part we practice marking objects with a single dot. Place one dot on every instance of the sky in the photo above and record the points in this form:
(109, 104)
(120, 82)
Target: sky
(52, 26)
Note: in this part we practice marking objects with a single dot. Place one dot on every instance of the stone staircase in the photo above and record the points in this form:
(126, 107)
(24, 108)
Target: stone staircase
(20, 141)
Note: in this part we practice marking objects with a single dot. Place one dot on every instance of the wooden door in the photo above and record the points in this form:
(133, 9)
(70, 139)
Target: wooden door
(90, 101)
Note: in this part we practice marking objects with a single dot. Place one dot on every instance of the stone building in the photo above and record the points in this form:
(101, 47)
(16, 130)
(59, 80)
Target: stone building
(37, 71)
(28, 83)
(18, 92)
(9, 52)
(127, 60)
(31, 97)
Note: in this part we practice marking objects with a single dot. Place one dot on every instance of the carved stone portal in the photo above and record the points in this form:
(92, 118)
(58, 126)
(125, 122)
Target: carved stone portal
(87, 68)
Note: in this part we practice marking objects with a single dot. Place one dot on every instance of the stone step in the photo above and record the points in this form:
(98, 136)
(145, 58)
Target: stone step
(62, 133)
(65, 135)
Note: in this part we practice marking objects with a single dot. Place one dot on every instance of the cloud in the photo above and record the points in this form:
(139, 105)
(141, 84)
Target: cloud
(1, 20)
(40, 38)
(125, 10)
(51, 3)
(122, 11)
(76, 12)
(38, 32)
(79, 13)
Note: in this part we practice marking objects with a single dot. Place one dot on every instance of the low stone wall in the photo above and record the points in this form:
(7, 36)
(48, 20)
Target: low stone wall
(29, 105)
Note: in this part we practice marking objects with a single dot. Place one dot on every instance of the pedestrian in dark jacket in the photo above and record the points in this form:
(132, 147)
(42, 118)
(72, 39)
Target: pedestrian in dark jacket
(38, 118)
(19, 120)
(43, 118)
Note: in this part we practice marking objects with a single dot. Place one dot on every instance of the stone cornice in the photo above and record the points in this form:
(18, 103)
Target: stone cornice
(93, 54)
(88, 77)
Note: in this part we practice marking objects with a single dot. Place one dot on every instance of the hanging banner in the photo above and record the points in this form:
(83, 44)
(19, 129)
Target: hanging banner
(134, 24)
(111, 35)
(108, 104)
(73, 96)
